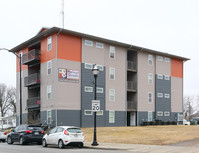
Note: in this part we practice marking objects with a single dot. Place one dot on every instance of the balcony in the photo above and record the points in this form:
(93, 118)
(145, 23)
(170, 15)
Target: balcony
(131, 66)
(131, 106)
(33, 79)
(33, 102)
(131, 86)
(31, 57)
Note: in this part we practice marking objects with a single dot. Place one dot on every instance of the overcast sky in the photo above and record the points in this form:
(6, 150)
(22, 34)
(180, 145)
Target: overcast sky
(170, 26)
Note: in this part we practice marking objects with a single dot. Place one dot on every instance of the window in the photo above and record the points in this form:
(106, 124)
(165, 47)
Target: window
(166, 95)
(150, 116)
(88, 43)
(88, 89)
(99, 112)
(88, 66)
(150, 78)
(49, 92)
(166, 59)
(166, 113)
(112, 73)
(49, 43)
(150, 97)
(49, 116)
(49, 67)
(111, 94)
(100, 90)
(112, 52)
(166, 77)
(160, 76)
(99, 45)
(111, 116)
(159, 113)
(160, 58)
(100, 67)
(88, 112)
(150, 59)
(160, 95)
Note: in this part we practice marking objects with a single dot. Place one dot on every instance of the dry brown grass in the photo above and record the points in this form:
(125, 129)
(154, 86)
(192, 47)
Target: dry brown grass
(153, 135)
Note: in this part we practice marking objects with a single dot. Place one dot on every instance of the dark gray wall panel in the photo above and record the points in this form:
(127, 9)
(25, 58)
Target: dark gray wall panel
(120, 119)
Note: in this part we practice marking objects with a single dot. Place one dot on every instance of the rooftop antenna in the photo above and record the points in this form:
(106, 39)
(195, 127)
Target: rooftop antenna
(62, 13)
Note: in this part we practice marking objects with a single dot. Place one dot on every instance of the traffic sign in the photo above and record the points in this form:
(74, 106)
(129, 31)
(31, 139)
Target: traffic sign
(95, 105)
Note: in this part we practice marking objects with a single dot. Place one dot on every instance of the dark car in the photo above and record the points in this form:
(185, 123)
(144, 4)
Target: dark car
(25, 134)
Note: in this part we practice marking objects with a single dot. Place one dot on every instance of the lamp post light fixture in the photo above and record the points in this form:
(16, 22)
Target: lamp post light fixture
(20, 82)
(95, 71)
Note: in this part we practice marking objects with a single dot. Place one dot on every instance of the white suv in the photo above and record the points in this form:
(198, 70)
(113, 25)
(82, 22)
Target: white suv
(64, 135)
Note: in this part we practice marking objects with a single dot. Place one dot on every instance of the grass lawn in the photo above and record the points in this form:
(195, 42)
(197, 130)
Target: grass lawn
(153, 135)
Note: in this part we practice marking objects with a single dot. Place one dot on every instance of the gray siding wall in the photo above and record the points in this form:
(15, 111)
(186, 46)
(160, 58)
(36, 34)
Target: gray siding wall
(43, 118)
(87, 97)
(120, 119)
(143, 116)
(163, 104)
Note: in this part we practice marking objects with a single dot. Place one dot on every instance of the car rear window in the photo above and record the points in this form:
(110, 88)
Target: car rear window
(74, 130)
(34, 128)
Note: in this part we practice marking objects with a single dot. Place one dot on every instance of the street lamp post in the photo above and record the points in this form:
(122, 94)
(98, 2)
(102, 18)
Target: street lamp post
(20, 82)
(95, 73)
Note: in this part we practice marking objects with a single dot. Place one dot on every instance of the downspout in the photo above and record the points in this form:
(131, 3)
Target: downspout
(56, 78)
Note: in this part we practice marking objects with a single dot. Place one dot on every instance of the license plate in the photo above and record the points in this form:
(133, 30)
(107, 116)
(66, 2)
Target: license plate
(76, 136)
(36, 132)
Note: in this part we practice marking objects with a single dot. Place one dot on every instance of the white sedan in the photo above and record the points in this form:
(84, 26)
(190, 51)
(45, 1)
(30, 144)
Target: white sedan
(3, 136)
(64, 135)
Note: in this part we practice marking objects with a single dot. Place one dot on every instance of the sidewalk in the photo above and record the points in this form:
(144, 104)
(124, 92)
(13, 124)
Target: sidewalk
(143, 148)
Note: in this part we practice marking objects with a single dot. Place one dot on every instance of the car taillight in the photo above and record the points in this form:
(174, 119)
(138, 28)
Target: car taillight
(5, 133)
(66, 132)
(28, 131)
(42, 131)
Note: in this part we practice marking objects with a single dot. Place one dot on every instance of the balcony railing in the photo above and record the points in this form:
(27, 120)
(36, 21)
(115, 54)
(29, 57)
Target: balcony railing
(31, 57)
(131, 86)
(33, 102)
(32, 79)
(131, 66)
(131, 105)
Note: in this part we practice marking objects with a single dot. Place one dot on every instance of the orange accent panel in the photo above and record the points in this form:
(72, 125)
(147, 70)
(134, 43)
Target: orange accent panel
(51, 54)
(23, 67)
(176, 68)
(69, 47)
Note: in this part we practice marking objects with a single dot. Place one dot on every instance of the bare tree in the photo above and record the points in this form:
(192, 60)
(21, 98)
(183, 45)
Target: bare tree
(7, 100)
(188, 107)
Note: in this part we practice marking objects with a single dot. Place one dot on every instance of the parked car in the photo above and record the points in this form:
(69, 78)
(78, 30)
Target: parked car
(25, 134)
(63, 136)
(3, 136)
(185, 122)
(194, 121)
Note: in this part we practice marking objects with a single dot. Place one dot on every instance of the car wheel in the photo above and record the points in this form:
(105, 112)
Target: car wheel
(9, 140)
(3, 140)
(80, 145)
(60, 144)
(21, 141)
(44, 144)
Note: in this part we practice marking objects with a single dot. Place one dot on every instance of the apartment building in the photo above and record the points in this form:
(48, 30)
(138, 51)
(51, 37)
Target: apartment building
(134, 84)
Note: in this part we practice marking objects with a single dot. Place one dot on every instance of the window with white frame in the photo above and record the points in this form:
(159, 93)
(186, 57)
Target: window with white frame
(49, 92)
(88, 89)
(112, 95)
(100, 90)
(100, 67)
(166, 59)
(159, 113)
(166, 77)
(49, 67)
(150, 116)
(150, 59)
(166, 95)
(159, 95)
(88, 112)
(150, 97)
(99, 112)
(112, 52)
(112, 73)
(49, 117)
(150, 78)
(111, 116)
(160, 76)
(99, 45)
(88, 66)
(88, 43)
(166, 113)
(160, 58)
(49, 43)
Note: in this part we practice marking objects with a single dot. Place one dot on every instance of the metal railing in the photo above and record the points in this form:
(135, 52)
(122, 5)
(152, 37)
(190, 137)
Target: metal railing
(33, 102)
(131, 105)
(131, 65)
(32, 79)
(131, 86)
(31, 56)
